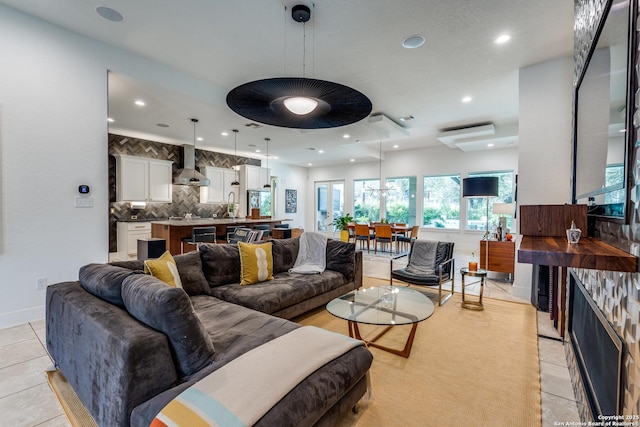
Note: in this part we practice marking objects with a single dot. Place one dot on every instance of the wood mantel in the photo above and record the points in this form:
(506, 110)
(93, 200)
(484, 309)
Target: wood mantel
(587, 253)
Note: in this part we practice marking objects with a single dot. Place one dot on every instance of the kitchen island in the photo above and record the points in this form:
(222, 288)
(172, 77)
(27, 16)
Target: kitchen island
(174, 230)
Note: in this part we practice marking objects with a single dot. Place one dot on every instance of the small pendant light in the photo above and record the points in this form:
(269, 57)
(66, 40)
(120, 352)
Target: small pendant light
(194, 179)
(268, 184)
(235, 149)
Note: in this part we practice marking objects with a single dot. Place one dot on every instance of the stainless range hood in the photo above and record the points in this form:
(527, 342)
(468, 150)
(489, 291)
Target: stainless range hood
(189, 175)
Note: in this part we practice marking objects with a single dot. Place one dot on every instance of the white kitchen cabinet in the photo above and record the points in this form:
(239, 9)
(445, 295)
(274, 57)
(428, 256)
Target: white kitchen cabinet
(220, 185)
(139, 179)
(128, 235)
(255, 176)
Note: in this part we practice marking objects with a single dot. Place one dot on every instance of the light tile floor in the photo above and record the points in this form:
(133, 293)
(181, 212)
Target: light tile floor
(26, 399)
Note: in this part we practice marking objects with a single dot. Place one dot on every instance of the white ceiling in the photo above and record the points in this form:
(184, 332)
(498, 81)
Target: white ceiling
(357, 43)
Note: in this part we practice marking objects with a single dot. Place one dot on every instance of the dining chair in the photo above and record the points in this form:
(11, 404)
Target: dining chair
(404, 240)
(383, 236)
(199, 235)
(351, 228)
(396, 232)
(362, 235)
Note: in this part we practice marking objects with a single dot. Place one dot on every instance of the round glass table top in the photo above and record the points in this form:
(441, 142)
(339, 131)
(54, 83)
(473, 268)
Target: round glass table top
(382, 305)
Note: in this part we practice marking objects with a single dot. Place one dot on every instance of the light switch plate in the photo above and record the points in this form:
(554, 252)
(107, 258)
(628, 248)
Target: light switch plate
(83, 202)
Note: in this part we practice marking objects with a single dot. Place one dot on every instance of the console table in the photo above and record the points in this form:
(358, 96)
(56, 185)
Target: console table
(501, 256)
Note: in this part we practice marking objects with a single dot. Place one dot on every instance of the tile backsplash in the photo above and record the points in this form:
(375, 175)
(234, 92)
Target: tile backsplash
(186, 199)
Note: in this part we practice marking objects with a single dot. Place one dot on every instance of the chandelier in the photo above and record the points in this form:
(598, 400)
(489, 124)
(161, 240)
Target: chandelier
(382, 191)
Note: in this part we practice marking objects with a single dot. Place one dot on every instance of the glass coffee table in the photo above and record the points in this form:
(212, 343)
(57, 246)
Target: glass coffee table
(385, 306)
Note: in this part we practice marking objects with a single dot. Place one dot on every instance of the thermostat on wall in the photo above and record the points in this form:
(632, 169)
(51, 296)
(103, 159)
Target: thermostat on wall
(83, 189)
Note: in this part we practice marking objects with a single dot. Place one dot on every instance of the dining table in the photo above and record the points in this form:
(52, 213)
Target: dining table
(395, 230)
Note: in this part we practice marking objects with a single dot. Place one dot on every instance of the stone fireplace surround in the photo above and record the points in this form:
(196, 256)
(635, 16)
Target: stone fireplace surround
(616, 294)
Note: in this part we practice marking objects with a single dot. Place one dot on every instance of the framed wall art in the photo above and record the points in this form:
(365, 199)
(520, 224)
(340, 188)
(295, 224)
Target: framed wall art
(291, 201)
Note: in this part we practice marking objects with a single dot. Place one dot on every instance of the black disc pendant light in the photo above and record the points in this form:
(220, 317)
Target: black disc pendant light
(299, 102)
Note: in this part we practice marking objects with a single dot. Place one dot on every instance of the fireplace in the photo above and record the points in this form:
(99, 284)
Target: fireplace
(598, 351)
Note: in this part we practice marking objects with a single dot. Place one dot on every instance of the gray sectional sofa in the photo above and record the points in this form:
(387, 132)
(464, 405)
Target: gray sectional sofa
(128, 344)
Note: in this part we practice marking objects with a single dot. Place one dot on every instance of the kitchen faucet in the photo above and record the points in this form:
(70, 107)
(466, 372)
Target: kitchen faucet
(231, 208)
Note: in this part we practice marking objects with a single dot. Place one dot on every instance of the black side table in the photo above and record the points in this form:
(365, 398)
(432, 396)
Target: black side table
(481, 273)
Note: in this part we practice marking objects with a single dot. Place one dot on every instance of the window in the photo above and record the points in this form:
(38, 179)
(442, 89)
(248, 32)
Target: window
(614, 174)
(477, 208)
(441, 201)
(400, 204)
(366, 204)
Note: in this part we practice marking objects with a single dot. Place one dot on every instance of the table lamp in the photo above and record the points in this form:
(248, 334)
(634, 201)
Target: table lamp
(503, 209)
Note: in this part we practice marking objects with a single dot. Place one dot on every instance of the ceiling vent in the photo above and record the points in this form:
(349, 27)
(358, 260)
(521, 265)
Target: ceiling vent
(479, 137)
(385, 127)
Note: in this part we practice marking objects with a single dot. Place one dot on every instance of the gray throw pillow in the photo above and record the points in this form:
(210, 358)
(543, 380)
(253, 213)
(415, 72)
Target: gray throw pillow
(285, 252)
(105, 281)
(220, 263)
(169, 310)
(341, 257)
(191, 274)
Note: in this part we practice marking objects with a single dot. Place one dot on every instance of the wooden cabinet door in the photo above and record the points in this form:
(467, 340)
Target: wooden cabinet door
(253, 177)
(214, 192)
(160, 182)
(132, 179)
(501, 256)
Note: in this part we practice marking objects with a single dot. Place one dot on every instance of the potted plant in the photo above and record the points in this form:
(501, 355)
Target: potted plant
(342, 223)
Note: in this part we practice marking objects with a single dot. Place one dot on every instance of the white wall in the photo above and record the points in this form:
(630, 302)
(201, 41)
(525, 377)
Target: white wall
(290, 178)
(438, 160)
(53, 137)
(544, 164)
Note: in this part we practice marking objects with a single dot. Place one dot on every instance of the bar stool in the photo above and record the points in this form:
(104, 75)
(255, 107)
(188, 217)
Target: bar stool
(199, 235)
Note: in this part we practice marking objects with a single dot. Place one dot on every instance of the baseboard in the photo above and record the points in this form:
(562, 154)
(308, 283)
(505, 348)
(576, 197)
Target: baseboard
(19, 317)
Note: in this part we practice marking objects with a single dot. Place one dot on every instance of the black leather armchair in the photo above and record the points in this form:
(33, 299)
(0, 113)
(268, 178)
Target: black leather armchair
(442, 270)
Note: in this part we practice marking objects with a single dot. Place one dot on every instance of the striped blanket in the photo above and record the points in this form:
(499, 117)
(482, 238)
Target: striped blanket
(242, 391)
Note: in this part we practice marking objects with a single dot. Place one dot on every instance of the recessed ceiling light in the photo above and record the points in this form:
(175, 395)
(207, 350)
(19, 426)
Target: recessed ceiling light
(466, 99)
(225, 134)
(110, 120)
(162, 125)
(321, 151)
(413, 42)
(109, 14)
(503, 39)
(395, 146)
(257, 150)
(275, 157)
(309, 164)
(490, 144)
(140, 102)
(199, 138)
(346, 136)
(352, 160)
(407, 118)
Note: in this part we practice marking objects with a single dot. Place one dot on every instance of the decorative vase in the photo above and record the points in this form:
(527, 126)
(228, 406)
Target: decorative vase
(473, 266)
(344, 235)
(573, 234)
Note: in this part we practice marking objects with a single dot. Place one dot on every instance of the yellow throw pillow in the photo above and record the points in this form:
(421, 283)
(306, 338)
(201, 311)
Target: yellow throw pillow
(256, 262)
(165, 269)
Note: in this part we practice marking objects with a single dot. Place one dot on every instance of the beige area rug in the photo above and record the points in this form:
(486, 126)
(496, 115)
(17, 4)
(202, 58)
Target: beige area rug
(466, 368)
(75, 410)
